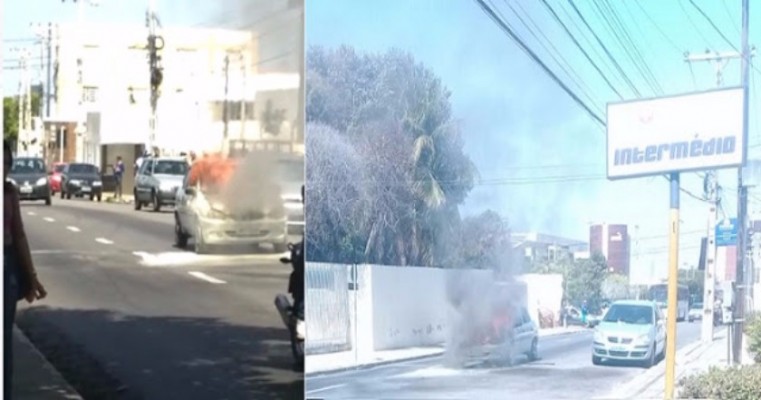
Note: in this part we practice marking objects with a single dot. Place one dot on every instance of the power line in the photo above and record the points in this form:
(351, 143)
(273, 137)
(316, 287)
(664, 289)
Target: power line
(642, 66)
(710, 21)
(695, 26)
(572, 74)
(658, 28)
(505, 28)
(605, 48)
(576, 42)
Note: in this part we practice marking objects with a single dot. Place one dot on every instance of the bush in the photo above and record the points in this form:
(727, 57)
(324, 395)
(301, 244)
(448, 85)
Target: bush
(734, 383)
(753, 331)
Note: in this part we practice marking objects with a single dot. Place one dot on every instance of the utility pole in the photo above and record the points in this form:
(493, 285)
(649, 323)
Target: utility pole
(225, 104)
(711, 194)
(156, 71)
(244, 94)
(49, 78)
(742, 198)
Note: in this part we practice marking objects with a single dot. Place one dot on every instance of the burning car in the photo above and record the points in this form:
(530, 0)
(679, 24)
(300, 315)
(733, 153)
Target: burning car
(229, 201)
(493, 326)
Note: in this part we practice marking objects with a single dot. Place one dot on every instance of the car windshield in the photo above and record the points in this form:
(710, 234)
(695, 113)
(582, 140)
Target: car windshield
(630, 314)
(173, 167)
(28, 166)
(83, 169)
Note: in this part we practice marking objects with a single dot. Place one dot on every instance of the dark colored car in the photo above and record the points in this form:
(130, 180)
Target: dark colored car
(81, 180)
(30, 176)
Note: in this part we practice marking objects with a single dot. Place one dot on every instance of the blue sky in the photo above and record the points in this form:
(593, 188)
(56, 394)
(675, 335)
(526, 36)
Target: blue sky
(516, 120)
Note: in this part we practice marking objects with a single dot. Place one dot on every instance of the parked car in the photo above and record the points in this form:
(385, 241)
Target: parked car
(81, 180)
(290, 171)
(157, 181)
(631, 330)
(695, 313)
(30, 176)
(55, 177)
(509, 335)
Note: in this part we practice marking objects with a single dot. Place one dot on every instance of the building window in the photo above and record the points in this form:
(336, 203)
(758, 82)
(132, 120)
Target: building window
(89, 94)
(233, 110)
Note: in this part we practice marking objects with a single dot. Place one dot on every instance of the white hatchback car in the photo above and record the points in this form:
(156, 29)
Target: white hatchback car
(631, 330)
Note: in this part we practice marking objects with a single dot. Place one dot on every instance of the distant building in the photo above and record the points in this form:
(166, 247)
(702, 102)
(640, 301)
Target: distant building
(538, 247)
(614, 243)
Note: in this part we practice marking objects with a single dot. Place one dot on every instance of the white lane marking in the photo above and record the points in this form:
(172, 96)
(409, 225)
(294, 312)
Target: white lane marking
(104, 241)
(325, 388)
(73, 228)
(31, 213)
(207, 278)
(185, 258)
(49, 219)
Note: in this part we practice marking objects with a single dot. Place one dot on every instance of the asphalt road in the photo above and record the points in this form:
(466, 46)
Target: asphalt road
(565, 371)
(131, 317)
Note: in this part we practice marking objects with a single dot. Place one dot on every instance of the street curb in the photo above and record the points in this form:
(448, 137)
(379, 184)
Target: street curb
(72, 393)
(370, 365)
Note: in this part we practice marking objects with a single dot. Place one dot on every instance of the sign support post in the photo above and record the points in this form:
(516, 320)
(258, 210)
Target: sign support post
(672, 285)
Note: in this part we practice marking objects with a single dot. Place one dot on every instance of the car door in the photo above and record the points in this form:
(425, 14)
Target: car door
(660, 329)
(526, 331)
(142, 183)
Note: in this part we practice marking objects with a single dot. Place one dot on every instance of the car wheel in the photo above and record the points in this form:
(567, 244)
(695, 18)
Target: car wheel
(62, 194)
(180, 237)
(138, 205)
(156, 202)
(533, 354)
(92, 197)
(68, 196)
(650, 360)
(596, 360)
(100, 197)
(49, 200)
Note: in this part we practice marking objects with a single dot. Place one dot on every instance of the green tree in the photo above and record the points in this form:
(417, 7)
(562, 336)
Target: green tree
(11, 111)
(616, 287)
(585, 281)
(395, 115)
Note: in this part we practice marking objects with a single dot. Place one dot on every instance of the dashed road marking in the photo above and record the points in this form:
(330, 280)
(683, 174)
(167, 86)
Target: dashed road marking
(32, 213)
(49, 219)
(73, 228)
(104, 241)
(207, 278)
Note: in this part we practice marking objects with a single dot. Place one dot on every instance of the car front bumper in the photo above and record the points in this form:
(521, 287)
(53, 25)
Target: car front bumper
(622, 352)
(167, 196)
(81, 190)
(37, 192)
(233, 232)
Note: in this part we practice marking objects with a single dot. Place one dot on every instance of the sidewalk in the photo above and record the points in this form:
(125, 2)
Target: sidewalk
(333, 362)
(691, 359)
(34, 377)
(110, 198)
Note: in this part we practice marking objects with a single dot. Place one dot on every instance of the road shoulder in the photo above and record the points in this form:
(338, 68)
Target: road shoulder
(320, 364)
(34, 377)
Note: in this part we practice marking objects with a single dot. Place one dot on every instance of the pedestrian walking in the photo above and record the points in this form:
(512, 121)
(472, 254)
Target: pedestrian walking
(19, 277)
(118, 176)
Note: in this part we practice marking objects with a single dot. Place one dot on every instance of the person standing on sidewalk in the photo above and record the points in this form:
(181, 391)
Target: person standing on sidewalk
(118, 176)
(19, 276)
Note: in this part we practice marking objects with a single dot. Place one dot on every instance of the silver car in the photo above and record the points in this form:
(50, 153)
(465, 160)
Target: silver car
(158, 180)
(631, 330)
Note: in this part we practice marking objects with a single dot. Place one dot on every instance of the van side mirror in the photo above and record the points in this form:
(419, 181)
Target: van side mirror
(190, 191)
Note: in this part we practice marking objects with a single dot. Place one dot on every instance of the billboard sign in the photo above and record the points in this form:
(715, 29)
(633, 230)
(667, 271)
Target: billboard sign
(674, 134)
(726, 233)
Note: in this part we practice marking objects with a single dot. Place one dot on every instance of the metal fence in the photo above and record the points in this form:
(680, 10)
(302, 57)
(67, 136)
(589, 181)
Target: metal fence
(328, 320)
